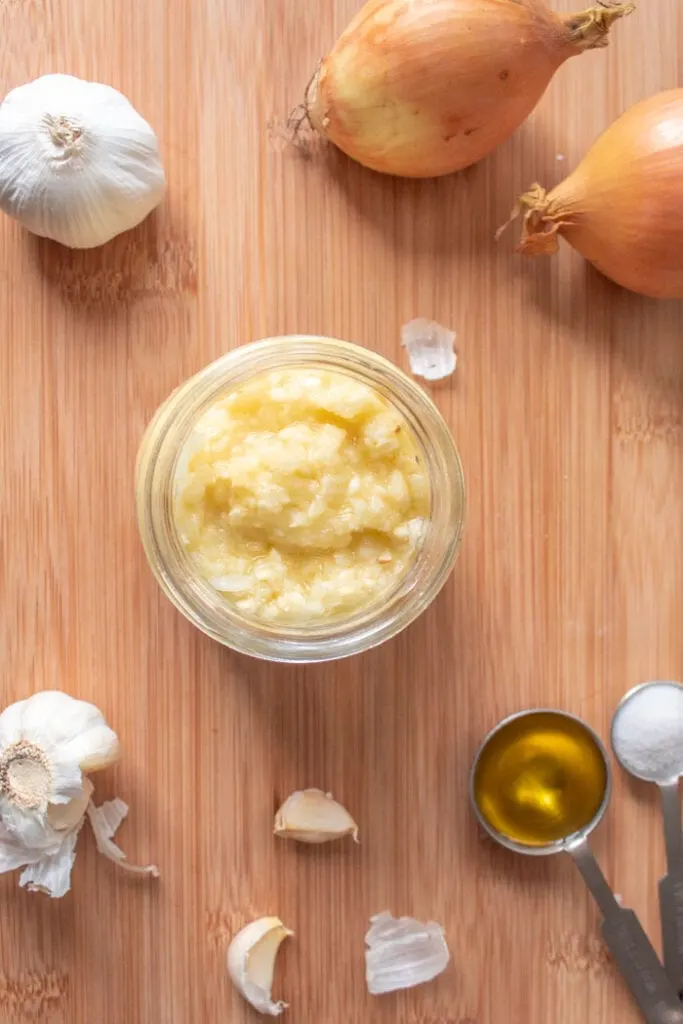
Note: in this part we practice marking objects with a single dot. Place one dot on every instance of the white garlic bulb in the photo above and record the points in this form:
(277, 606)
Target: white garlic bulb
(47, 745)
(77, 162)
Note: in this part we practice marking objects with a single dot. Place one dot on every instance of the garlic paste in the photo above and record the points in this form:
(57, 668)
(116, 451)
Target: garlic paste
(301, 495)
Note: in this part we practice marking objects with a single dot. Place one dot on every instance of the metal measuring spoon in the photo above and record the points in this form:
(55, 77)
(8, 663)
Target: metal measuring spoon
(640, 703)
(621, 930)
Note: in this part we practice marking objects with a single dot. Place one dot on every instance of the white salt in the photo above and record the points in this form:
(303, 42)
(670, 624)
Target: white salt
(647, 734)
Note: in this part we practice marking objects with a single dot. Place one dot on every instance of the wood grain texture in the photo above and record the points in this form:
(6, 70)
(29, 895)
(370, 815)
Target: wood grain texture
(567, 407)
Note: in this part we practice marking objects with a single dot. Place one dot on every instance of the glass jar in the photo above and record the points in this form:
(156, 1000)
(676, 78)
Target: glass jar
(157, 462)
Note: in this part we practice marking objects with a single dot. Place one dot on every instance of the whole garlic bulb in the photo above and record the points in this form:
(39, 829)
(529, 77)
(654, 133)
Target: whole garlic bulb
(77, 162)
(49, 744)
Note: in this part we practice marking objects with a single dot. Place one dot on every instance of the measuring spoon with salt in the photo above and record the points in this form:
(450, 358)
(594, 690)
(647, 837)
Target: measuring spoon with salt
(647, 739)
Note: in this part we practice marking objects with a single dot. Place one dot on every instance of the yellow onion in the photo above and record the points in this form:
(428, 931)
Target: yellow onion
(622, 208)
(420, 88)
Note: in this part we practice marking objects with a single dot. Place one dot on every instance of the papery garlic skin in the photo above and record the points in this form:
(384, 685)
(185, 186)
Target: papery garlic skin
(52, 873)
(78, 164)
(105, 821)
(402, 953)
(312, 816)
(251, 962)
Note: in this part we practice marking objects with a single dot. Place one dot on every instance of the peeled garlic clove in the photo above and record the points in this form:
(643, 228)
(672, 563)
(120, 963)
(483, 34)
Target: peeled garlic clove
(311, 816)
(402, 953)
(430, 348)
(251, 962)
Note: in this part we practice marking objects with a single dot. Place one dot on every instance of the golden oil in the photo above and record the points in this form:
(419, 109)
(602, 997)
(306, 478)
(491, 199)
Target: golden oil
(539, 778)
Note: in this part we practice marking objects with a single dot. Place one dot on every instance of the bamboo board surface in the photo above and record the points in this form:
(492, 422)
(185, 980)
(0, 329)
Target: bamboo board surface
(567, 406)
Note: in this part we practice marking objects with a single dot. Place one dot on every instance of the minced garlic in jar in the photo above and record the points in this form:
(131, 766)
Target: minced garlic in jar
(301, 495)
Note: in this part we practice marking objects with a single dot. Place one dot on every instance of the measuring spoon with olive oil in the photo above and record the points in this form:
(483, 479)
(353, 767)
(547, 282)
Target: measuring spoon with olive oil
(539, 785)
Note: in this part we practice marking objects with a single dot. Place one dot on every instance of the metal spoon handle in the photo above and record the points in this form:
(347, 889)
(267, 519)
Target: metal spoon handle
(630, 947)
(671, 886)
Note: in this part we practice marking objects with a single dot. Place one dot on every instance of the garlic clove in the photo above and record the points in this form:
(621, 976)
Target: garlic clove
(402, 953)
(312, 816)
(430, 348)
(66, 779)
(96, 749)
(65, 816)
(251, 962)
(105, 821)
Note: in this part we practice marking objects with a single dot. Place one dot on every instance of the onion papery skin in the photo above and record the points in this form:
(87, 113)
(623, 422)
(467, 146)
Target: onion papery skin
(622, 208)
(422, 88)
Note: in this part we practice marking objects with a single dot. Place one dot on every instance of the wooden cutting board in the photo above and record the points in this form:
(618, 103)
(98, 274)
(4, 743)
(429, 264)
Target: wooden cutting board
(567, 406)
